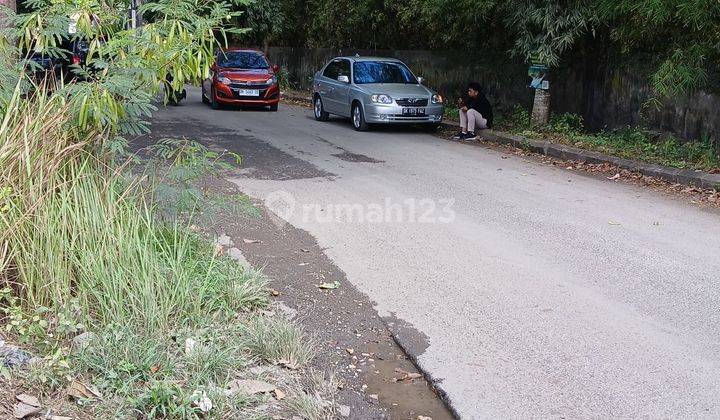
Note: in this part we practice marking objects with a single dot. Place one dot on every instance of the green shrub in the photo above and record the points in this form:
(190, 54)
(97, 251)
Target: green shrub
(516, 121)
(631, 143)
(567, 123)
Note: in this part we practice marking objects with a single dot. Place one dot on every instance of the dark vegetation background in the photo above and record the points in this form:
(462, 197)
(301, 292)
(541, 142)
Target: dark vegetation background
(614, 62)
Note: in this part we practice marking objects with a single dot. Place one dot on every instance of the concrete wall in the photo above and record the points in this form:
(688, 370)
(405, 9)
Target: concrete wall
(447, 72)
(607, 96)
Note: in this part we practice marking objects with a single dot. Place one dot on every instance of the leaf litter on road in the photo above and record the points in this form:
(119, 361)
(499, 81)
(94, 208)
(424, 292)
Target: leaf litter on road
(405, 375)
(329, 286)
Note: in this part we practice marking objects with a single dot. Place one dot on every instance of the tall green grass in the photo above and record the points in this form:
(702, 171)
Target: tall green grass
(73, 228)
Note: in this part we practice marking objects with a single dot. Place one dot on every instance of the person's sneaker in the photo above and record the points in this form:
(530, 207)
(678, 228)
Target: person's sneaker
(459, 136)
(470, 136)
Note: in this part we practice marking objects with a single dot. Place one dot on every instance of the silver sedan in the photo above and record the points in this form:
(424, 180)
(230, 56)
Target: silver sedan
(373, 90)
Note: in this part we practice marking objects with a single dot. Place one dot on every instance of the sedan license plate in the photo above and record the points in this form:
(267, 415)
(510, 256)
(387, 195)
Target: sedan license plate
(413, 112)
(247, 92)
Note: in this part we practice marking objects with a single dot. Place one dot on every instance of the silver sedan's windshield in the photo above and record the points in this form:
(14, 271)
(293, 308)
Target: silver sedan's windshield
(382, 72)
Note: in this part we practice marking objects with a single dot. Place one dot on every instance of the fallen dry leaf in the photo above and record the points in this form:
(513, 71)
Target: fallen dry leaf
(218, 250)
(614, 177)
(251, 241)
(28, 399)
(274, 292)
(249, 387)
(329, 286)
(350, 351)
(78, 390)
(406, 376)
(612, 223)
(304, 250)
(23, 410)
(279, 394)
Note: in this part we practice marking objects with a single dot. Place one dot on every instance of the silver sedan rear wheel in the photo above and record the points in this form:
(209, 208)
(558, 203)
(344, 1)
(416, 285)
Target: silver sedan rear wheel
(319, 110)
(358, 118)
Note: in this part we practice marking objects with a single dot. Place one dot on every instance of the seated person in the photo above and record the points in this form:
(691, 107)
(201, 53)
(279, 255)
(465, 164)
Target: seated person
(475, 112)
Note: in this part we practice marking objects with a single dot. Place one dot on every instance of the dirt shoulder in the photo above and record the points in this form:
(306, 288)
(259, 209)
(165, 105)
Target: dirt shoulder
(379, 379)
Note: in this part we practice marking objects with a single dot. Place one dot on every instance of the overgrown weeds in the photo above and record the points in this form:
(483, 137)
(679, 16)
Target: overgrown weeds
(128, 312)
(630, 143)
(105, 292)
(277, 342)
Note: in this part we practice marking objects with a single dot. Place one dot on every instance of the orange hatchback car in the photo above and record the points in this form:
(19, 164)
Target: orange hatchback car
(242, 77)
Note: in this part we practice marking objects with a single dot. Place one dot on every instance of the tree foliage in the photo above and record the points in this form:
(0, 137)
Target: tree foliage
(682, 36)
(126, 67)
(545, 30)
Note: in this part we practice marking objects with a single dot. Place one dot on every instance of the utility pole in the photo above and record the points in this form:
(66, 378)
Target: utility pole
(135, 17)
(133, 14)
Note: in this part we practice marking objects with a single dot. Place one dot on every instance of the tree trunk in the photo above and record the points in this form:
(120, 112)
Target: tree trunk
(541, 107)
(266, 44)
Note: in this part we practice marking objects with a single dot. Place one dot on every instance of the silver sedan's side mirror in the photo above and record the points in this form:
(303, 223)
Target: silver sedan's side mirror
(420, 80)
(343, 79)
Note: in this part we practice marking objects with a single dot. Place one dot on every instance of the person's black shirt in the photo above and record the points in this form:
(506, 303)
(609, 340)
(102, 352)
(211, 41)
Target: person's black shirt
(481, 105)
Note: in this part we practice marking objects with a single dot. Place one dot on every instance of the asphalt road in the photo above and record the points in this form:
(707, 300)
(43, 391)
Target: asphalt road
(532, 291)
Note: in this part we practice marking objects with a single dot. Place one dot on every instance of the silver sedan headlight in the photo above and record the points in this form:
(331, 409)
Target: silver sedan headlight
(437, 99)
(381, 99)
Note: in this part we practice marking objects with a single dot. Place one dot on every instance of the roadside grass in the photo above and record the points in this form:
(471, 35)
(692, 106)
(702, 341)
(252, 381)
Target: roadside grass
(314, 398)
(630, 143)
(277, 342)
(108, 296)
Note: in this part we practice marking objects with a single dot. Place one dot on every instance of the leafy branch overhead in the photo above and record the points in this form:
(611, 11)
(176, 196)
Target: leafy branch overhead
(129, 66)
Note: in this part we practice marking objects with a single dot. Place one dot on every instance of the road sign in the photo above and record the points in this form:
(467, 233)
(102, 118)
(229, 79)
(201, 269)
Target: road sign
(538, 73)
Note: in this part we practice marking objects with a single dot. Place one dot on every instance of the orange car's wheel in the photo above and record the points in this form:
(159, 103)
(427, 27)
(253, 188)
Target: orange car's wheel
(203, 95)
(213, 99)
